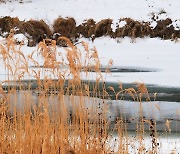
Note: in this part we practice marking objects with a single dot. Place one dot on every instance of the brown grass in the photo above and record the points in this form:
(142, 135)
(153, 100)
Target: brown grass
(133, 29)
(103, 28)
(38, 30)
(65, 27)
(51, 122)
(7, 23)
(87, 29)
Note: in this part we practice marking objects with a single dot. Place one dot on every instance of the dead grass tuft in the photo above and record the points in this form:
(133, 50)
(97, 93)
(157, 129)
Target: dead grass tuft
(133, 29)
(87, 29)
(103, 28)
(65, 27)
(7, 23)
(165, 30)
(35, 30)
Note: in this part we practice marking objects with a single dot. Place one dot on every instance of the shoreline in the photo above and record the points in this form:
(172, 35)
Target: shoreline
(155, 92)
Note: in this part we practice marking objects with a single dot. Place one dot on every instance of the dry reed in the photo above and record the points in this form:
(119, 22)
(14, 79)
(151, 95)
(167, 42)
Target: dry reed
(45, 120)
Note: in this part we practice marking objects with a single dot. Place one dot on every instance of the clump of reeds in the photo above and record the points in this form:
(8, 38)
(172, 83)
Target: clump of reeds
(56, 111)
(7, 23)
(87, 28)
(65, 27)
(37, 30)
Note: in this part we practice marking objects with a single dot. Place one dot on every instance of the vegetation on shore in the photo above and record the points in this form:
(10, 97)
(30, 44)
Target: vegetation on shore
(36, 30)
(46, 124)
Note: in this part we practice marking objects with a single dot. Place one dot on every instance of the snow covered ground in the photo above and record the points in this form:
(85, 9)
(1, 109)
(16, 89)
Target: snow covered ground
(96, 9)
(160, 58)
(168, 143)
(159, 55)
(163, 57)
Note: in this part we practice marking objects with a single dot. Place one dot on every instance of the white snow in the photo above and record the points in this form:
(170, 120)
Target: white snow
(149, 53)
(168, 143)
(163, 56)
(154, 54)
(21, 39)
(96, 9)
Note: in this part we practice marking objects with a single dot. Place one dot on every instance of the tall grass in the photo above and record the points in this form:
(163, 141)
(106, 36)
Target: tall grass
(61, 114)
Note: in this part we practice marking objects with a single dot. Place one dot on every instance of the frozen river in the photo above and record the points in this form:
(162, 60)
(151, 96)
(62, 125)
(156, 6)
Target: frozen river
(130, 112)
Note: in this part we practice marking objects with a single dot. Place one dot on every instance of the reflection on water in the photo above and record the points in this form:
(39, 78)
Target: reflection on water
(157, 110)
(127, 110)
